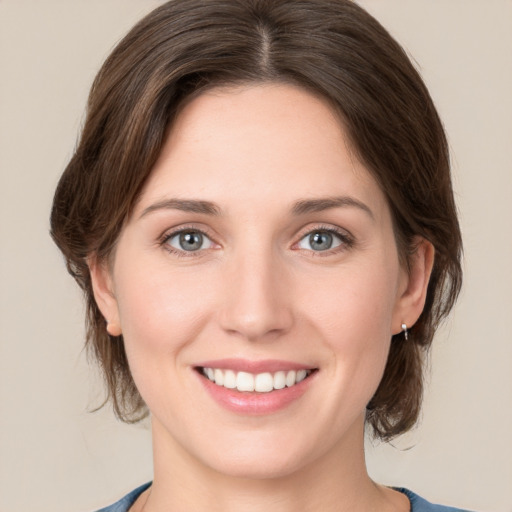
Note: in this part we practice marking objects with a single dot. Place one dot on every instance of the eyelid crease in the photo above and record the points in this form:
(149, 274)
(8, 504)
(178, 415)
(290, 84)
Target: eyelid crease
(347, 239)
(341, 232)
(173, 232)
(184, 228)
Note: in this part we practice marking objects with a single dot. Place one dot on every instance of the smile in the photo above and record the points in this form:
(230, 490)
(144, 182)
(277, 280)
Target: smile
(250, 387)
(259, 383)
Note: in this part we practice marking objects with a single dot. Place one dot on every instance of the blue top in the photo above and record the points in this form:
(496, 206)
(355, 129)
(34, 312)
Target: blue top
(417, 504)
(125, 503)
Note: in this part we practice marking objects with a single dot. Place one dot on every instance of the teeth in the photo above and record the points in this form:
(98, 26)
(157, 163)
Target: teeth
(264, 382)
(261, 382)
(301, 375)
(279, 380)
(229, 379)
(219, 377)
(290, 378)
(244, 381)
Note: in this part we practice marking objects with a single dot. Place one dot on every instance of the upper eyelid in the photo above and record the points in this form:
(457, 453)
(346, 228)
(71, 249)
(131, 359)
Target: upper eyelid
(346, 238)
(171, 232)
(300, 234)
(324, 227)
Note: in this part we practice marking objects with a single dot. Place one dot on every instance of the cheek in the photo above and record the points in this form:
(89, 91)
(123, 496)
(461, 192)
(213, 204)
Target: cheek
(161, 309)
(355, 301)
(354, 316)
(162, 312)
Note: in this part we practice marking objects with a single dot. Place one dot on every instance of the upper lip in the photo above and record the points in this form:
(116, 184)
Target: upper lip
(255, 367)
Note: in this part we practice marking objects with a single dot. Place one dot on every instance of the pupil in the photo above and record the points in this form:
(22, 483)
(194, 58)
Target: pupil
(191, 241)
(320, 241)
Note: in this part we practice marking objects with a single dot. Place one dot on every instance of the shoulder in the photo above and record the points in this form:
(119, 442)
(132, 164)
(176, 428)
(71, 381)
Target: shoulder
(419, 504)
(127, 501)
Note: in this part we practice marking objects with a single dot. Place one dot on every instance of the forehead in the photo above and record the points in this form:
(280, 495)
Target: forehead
(245, 143)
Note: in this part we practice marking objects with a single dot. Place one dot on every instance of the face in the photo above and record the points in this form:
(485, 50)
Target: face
(261, 255)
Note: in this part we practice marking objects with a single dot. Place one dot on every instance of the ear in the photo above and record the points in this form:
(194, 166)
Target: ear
(102, 285)
(413, 288)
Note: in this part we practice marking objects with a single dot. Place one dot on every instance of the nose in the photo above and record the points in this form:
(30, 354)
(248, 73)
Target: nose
(257, 303)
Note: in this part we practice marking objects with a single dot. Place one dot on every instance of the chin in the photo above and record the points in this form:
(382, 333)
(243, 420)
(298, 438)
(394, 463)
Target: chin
(259, 456)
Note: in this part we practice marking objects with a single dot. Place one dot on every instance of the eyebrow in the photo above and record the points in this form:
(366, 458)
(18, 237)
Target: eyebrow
(301, 207)
(184, 205)
(318, 205)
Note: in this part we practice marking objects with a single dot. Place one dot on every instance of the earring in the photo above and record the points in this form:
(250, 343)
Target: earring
(406, 332)
(113, 329)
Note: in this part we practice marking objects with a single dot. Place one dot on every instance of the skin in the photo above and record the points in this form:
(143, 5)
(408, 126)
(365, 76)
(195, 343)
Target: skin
(257, 290)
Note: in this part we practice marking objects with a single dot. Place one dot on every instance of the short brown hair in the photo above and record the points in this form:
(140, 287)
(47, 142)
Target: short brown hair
(332, 48)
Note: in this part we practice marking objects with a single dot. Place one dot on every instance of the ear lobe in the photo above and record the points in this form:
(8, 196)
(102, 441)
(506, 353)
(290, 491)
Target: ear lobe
(411, 302)
(103, 290)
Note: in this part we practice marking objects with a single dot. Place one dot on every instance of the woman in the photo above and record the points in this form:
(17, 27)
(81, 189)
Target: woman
(261, 217)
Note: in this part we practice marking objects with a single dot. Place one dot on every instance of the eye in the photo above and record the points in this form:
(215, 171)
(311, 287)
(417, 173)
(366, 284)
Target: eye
(189, 241)
(321, 240)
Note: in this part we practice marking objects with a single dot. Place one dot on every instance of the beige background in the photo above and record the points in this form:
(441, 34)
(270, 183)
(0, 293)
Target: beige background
(54, 456)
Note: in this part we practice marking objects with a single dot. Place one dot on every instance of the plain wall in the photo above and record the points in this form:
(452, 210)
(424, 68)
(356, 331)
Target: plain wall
(54, 455)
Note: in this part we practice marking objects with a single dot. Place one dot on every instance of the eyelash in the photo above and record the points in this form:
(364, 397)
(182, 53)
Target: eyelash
(347, 241)
(164, 239)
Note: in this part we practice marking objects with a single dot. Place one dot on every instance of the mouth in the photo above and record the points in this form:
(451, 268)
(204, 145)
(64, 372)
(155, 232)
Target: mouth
(264, 382)
(255, 387)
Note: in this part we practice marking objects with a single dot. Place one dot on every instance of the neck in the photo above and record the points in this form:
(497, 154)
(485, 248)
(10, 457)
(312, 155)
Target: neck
(335, 482)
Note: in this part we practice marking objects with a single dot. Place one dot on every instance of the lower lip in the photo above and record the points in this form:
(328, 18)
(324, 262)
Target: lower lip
(254, 403)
